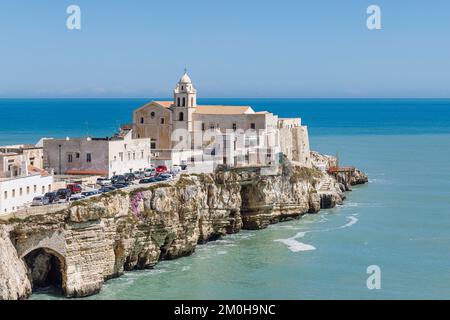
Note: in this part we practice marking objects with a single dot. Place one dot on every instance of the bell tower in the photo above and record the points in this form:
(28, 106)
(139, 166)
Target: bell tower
(185, 102)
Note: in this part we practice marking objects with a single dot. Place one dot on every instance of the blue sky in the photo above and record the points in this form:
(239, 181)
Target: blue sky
(244, 48)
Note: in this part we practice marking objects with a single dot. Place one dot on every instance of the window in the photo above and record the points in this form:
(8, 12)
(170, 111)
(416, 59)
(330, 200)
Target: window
(152, 115)
(13, 193)
(20, 192)
(88, 157)
(142, 120)
(163, 120)
(184, 102)
(181, 138)
(134, 155)
(142, 154)
(234, 126)
(5, 196)
(28, 190)
(181, 116)
(35, 188)
(69, 158)
(178, 102)
(43, 189)
(203, 127)
(121, 156)
(129, 155)
(182, 88)
(153, 144)
(211, 126)
(252, 126)
(49, 187)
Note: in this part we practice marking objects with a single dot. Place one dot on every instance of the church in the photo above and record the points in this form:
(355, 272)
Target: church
(201, 137)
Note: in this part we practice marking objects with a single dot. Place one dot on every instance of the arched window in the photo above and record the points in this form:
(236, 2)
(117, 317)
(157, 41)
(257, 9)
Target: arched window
(142, 120)
(184, 102)
(181, 116)
(152, 115)
(178, 103)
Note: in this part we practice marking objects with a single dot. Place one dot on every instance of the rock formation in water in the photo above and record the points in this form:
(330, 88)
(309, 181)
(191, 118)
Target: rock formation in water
(79, 248)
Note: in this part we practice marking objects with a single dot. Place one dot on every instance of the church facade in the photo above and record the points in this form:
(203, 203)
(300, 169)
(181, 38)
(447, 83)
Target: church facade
(183, 132)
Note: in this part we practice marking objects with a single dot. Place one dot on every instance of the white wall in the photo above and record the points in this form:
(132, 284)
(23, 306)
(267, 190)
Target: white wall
(42, 184)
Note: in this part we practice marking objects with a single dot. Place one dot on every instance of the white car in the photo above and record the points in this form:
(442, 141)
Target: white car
(104, 182)
(39, 201)
(175, 170)
(150, 172)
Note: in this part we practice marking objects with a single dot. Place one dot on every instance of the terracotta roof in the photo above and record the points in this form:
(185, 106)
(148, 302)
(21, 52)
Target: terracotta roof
(227, 110)
(87, 172)
(37, 170)
(165, 104)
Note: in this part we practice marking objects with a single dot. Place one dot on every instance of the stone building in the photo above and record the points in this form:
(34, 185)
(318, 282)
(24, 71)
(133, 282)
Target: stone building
(109, 156)
(182, 131)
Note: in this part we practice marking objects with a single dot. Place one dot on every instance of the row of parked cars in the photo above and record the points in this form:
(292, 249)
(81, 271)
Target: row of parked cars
(74, 192)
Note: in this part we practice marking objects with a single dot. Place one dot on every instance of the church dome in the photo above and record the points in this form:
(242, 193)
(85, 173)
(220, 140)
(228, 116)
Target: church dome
(185, 78)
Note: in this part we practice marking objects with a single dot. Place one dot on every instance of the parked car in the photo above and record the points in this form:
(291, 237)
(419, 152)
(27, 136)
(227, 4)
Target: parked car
(39, 201)
(129, 177)
(148, 180)
(175, 170)
(64, 193)
(120, 185)
(166, 176)
(106, 189)
(52, 197)
(77, 197)
(161, 169)
(150, 172)
(103, 182)
(90, 193)
(118, 179)
(74, 188)
(139, 174)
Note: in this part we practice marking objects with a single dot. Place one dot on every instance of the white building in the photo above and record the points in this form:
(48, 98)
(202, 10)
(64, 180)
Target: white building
(97, 156)
(17, 192)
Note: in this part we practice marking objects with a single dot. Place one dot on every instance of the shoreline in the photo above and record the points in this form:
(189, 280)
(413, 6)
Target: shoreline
(99, 239)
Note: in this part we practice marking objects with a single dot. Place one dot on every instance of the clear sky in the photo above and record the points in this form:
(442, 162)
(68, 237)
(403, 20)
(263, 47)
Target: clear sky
(232, 48)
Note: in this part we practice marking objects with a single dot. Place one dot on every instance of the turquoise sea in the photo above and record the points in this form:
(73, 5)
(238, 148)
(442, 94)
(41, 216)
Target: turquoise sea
(400, 221)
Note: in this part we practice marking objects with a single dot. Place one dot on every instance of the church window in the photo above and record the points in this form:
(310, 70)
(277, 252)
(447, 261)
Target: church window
(184, 102)
(181, 116)
(179, 103)
(182, 88)
(151, 115)
(142, 120)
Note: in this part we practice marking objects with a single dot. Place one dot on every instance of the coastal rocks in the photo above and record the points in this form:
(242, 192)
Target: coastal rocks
(77, 249)
(14, 282)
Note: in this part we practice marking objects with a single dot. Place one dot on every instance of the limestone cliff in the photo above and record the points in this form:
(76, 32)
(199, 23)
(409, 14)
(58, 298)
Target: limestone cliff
(90, 241)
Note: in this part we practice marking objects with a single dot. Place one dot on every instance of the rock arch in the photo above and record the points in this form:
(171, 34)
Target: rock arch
(46, 269)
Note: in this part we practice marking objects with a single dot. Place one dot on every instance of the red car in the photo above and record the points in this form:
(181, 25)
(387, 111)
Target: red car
(74, 188)
(161, 169)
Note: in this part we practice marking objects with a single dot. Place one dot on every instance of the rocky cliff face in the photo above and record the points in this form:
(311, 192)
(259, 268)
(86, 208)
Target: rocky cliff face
(97, 239)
